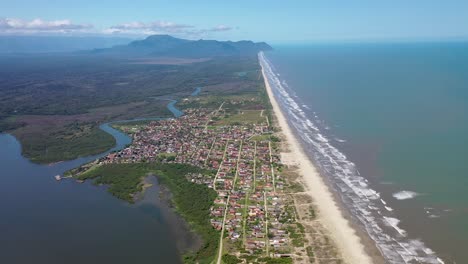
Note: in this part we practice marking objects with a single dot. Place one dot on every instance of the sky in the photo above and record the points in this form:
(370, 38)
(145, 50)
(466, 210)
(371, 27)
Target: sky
(275, 21)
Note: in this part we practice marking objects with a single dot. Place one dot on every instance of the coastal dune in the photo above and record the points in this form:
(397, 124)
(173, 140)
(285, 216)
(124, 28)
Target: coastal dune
(345, 237)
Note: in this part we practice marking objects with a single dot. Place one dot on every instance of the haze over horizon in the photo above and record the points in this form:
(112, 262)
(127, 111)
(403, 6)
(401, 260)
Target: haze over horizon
(281, 22)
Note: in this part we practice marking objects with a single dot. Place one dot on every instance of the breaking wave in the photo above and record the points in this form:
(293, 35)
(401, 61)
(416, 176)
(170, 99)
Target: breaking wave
(404, 195)
(363, 202)
(340, 140)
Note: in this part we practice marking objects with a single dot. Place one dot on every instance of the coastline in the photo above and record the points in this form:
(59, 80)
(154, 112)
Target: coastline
(342, 231)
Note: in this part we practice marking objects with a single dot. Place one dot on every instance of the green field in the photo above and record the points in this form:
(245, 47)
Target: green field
(242, 117)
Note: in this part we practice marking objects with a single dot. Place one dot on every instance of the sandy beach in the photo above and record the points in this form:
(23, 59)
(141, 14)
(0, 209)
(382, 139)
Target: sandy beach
(346, 238)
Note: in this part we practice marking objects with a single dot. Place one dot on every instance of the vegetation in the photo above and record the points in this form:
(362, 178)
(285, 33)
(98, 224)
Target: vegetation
(243, 117)
(269, 260)
(230, 259)
(124, 180)
(296, 233)
(9, 123)
(296, 187)
(310, 253)
(166, 157)
(131, 126)
(312, 214)
(67, 143)
(275, 139)
(191, 200)
(55, 111)
(263, 137)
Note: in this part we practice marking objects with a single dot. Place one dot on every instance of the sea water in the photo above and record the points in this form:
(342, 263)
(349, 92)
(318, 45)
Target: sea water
(387, 125)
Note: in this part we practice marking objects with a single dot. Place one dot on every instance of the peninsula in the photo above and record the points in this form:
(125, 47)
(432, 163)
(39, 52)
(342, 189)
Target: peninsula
(227, 161)
(236, 173)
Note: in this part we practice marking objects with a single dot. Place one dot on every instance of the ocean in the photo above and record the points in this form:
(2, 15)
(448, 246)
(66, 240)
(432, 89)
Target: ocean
(387, 125)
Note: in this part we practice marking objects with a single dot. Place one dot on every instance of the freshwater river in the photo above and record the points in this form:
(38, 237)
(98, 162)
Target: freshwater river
(45, 221)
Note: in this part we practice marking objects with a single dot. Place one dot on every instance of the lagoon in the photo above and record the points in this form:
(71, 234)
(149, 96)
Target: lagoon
(47, 221)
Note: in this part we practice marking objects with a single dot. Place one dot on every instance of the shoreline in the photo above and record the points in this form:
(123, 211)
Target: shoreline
(345, 234)
(159, 196)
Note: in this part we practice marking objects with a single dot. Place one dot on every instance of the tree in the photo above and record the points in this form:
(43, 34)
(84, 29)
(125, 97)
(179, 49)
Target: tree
(230, 259)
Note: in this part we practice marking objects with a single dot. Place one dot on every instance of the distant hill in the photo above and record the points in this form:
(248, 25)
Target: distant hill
(165, 45)
(47, 44)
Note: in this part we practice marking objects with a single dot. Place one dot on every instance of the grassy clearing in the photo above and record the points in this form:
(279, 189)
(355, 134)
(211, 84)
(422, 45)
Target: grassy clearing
(242, 117)
(263, 137)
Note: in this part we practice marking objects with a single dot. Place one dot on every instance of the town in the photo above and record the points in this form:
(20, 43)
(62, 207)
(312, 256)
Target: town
(251, 211)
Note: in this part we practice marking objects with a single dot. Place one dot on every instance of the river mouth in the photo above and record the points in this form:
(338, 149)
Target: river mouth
(48, 221)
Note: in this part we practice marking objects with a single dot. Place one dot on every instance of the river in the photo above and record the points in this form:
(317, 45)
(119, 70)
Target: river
(45, 221)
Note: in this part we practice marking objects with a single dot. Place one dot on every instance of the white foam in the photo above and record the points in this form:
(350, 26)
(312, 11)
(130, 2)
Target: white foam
(364, 202)
(404, 195)
(393, 222)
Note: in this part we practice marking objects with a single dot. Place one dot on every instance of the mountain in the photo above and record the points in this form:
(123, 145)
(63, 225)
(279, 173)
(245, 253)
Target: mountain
(168, 46)
(46, 44)
(151, 45)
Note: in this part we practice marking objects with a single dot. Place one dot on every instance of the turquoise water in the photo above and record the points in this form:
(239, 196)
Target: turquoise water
(400, 113)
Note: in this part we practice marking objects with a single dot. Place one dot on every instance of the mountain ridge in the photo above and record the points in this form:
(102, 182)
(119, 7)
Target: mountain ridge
(166, 45)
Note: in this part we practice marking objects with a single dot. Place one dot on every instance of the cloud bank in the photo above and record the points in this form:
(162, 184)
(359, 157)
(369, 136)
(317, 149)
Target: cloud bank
(66, 26)
(14, 25)
(163, 27)
(149, 28)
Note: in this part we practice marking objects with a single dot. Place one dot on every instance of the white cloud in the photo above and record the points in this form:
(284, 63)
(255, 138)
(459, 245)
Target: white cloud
(65, 26)
(163, 27)
(221, 28)
(156, 27)
(14, 25)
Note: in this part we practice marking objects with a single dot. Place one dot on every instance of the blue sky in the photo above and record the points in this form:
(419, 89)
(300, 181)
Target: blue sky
(274, 20)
